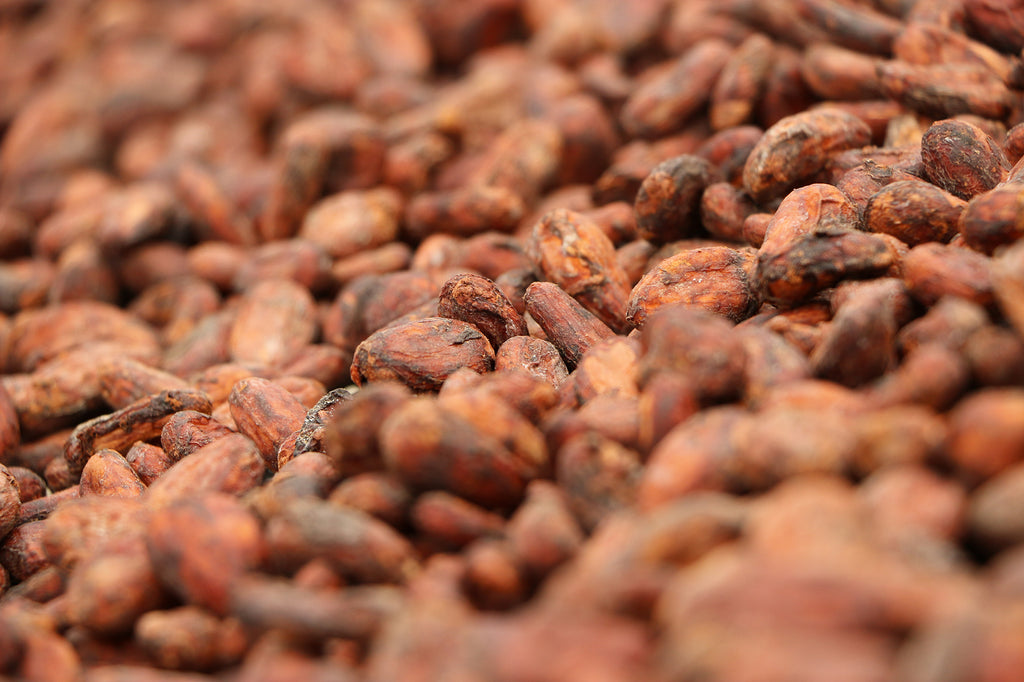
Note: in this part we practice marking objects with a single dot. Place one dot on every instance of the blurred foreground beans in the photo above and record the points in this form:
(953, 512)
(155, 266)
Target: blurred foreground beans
(402, 340)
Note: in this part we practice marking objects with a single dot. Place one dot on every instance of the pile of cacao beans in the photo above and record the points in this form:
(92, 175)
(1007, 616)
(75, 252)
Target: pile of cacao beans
(512, 340)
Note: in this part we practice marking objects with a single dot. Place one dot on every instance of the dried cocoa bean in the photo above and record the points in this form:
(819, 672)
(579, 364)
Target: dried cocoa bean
(421, 353)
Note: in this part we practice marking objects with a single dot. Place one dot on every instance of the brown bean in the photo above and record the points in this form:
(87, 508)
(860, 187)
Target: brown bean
(992, 219)
(677, 91)
(352, 542)
(108, 473)
(816, 261)
(199, 546)
(858, 344)
(931, 271)
(714, 278)
(478, 301)
(697, 344)
(451, 522)
(536, 356)
(464, 212)
(352, 222)
(984, 432)
(961, 159)
(739, 85)
(940, 90)
(1007, 285)
(376, 493)
(267, 413)
(669, 199)
(147, 461)
(274, 321)
(10, 501)
(190, 638)
(568, 325)
(142, 420)
(797, 148)
(914, 212)
(352, 612)
(572, 252)
(421, 353)
(107, 594)
(231, 464)
(483, 466)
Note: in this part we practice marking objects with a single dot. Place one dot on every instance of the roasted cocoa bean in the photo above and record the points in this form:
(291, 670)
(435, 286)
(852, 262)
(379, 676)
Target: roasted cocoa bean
(797, 148)
(714, 278)
(142, 420)
(668, 202)
(352, 542)
(201, 545)
(678, 90)
(231, 464)
(567, 324)
(421, 353)
(478, 301)
(914, 212)
(267, 413)
(573, 253)
(961, 159)
(487, 463)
